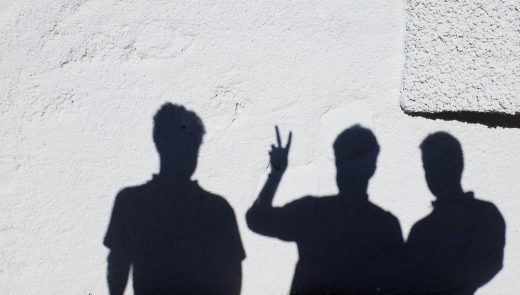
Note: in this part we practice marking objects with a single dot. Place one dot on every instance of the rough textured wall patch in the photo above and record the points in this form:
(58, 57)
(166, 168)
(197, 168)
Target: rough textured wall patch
(462, 55)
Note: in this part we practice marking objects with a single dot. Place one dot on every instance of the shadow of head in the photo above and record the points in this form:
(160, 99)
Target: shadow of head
(355, 150)
(443, 164)
(177, 134)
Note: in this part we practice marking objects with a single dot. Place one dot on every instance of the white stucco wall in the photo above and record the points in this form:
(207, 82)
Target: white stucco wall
(81, 80)
(462, 56)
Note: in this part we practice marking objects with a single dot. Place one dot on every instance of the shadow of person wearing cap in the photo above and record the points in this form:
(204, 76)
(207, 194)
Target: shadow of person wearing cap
(177, 237)
(459, 246)
(342, 240)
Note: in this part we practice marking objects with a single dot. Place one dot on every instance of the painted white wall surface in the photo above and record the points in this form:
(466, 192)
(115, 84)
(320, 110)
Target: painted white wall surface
(81, 80)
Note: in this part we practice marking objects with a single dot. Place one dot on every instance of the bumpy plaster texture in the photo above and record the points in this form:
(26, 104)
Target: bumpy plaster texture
(81, 80)
(462, 55)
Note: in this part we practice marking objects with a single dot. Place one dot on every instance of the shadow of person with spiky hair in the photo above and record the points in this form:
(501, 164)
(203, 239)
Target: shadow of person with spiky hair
(176, 237)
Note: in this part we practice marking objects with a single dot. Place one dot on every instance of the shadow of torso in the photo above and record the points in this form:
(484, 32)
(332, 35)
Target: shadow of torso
(457, 248)
(180, 239)
(342, 244)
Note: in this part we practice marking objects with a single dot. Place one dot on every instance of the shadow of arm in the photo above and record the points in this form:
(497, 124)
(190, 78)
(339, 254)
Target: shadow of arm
(287, 223)
(260, 217)
(117, 272)
(116, 239)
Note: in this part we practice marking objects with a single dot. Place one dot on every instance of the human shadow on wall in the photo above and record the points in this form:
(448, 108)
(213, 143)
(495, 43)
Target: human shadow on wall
(458, 247)
(176, 237)
(346, 244)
